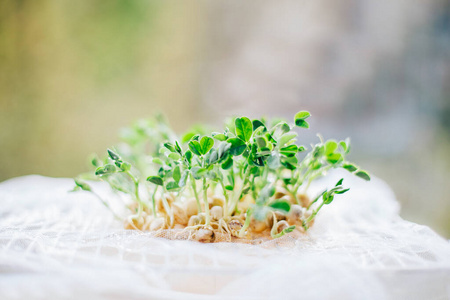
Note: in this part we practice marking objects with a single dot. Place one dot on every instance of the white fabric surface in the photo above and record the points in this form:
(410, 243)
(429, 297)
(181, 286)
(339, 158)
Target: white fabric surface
(60, 245)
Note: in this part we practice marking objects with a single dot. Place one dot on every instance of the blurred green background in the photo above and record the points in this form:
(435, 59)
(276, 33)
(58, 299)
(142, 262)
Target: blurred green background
(73, 72)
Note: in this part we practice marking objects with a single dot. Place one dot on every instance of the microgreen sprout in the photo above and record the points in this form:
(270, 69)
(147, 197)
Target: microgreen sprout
(248, 180)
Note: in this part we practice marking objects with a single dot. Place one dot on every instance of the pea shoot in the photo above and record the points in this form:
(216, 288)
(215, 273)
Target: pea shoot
(250, 180)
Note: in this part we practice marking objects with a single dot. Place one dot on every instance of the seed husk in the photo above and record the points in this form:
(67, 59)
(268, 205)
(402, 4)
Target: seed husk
(204, 235)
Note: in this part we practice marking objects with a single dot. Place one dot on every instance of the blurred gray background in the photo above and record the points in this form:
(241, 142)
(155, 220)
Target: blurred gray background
(73, 72)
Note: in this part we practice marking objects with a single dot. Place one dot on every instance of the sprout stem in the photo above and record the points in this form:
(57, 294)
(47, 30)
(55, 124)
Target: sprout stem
(194, 189)
(205, 200)
(154, 201)
(248, 218)
(238, 195)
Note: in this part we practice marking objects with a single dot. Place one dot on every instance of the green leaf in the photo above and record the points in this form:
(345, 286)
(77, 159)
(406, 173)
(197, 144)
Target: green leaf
(206, 144)
(330, 147)
(334, 158)
(174, 156)
(363, 174)
(95, 161)
(214, 157)
(286, 138)
(289, 151)
(257, 123)
(177, 147)
(300, 118)
(273, 162)
(327, 199)
(223, 148)
(281, 205)
(244, 128)
(156, 180)
(195, 147)
(229, 187)
(176, 173)
(123, 165)
(340, 182)
(188, 155)
(106, 169)
(289, 229)
(219, 136)
(113, 155)
(198, 172)
(302, 123)
(83, 185)
(342, 191)
(237, 146)
(157, 160)
(261, 141)
(228, 163)
(245, 191)
(183, 180)
(170, 146)
(172, 185)
(280, 128)
(350, 167)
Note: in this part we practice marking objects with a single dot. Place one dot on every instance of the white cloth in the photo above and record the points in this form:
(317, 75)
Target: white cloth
(60, 245)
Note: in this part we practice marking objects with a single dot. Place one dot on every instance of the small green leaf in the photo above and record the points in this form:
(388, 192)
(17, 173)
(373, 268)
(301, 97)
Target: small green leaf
(363, 174)
(244, 128)
(188, 155)
(327, 199)
(214, 157)
(170, 147)
(113, 155)
(223, 148)
(183, 180)
(300, 118)
(334, 158)
(156, 180)
(198, 172)
(157, 160)
(261, 141)
(273, 162)
(257, 123)
(228, 163)
(172, 185)
(289, 229)
(82, 185)
(123, 165)
(206, 144)
(219, 136)
(342, 191)
(281, 205)
(176, 174)
(229, 187)
(246, 190)
(286, 138)
(289, 151)
(340, 182)
(106, 169)
(330, 147)
(174, 156)
(95, 161)
(302, 123)
(350, 167)
(195, 147)
(177, 147)
(237, 146)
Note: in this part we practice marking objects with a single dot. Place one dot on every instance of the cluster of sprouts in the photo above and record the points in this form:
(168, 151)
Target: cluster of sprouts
(248, 181)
